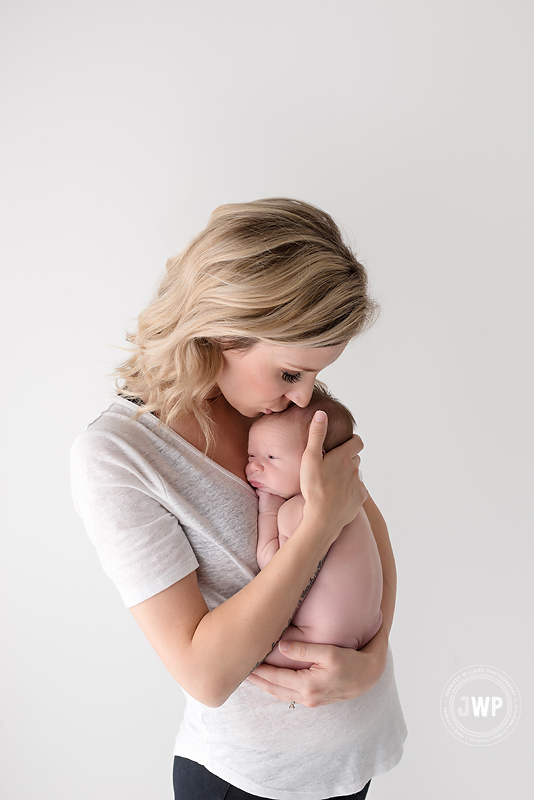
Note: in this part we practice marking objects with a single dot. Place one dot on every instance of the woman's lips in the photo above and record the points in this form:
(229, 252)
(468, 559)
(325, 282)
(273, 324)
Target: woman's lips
(276, 410)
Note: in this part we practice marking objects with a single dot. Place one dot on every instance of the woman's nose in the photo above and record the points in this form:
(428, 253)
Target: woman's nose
(301, 395)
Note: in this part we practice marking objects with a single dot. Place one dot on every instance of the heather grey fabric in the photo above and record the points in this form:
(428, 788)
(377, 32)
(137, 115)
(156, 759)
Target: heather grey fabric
(156, 509)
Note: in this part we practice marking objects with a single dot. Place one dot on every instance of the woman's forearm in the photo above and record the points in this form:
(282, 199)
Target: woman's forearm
(274, 592)
(209, 653)
(234, 638)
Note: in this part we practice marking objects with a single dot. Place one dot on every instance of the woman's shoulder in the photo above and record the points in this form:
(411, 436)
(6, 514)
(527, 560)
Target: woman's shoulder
(119, 425)
(117, 443)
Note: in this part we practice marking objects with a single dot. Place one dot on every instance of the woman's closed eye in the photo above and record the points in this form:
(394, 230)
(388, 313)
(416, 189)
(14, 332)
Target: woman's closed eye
(291, 377)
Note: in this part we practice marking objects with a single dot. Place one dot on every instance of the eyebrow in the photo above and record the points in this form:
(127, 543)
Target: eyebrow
(301, 369)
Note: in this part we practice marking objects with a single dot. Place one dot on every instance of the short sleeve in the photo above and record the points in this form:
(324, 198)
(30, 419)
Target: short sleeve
(120, 498)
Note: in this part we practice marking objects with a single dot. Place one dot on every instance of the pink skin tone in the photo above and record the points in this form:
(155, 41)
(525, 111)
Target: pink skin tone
(275, 453)
(268, 377)
(343, 606)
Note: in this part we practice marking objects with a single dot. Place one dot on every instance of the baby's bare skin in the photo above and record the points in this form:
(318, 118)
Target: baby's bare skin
(343, 605)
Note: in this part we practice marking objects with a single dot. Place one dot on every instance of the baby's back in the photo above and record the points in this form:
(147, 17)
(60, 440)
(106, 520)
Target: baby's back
(343, 606)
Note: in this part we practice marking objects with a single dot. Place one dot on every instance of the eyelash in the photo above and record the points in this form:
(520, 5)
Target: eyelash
(291, 377)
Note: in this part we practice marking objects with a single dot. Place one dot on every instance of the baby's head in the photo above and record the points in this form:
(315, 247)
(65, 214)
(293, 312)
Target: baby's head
(277, 441)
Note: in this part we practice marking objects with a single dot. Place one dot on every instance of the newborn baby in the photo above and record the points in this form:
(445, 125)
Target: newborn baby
(343, 605)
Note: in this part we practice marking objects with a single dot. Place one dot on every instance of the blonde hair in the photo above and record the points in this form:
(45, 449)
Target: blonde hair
(273, 270)
(341, 423)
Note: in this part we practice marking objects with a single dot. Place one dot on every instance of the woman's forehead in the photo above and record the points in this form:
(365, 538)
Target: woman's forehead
(303, 359)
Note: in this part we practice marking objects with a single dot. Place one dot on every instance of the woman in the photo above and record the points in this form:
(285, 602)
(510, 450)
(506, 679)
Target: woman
(245, 318)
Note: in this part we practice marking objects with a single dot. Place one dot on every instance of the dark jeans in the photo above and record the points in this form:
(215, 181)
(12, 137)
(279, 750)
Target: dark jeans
(193, 782)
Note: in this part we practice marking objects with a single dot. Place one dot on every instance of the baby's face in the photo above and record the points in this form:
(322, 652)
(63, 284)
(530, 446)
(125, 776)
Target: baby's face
(275, 448)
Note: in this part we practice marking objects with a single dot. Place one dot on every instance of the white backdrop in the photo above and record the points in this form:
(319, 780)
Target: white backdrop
(125, 124)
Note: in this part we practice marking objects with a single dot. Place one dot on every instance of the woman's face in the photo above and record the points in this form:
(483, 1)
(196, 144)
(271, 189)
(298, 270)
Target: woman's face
(267, 377)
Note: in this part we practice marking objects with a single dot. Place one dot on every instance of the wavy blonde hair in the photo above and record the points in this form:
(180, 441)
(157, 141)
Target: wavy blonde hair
(273, 270)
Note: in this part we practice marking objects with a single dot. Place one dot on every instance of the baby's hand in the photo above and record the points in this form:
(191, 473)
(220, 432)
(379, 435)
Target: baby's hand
(269, 503)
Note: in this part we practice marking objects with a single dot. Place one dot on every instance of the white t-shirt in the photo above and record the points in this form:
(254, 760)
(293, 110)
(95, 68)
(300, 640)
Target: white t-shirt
(157, 509)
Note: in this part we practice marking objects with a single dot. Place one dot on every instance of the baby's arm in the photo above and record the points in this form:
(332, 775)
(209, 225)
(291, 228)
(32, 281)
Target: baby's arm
(268, 543)
(289, 517)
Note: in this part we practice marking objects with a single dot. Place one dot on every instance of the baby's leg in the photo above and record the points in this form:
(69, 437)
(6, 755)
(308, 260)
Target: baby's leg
(343, 605)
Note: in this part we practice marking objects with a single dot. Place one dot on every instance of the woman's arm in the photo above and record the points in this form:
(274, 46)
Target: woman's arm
(211, 652)
(389, 570)
(338, 673)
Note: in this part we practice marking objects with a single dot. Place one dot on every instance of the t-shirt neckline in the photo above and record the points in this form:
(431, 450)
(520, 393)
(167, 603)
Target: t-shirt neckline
(173, 435)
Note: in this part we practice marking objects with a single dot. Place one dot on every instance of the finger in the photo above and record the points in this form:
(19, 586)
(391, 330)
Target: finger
(279, 676)
(306, 651)
(317, 432)
(276, 691)
(351, 447)
(357, 443)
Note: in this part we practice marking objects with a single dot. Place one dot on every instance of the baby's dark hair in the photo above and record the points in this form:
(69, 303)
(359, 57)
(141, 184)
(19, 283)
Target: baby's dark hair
(340, 421)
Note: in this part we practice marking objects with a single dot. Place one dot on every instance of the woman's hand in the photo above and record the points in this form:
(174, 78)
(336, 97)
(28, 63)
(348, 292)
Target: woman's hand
(331, 484)
(338, 673)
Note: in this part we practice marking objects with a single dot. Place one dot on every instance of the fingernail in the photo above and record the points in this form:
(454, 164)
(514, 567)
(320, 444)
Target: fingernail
(285, 646)
(320, 416)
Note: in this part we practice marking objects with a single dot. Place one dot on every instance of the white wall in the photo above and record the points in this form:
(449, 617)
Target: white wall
(412, 124)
